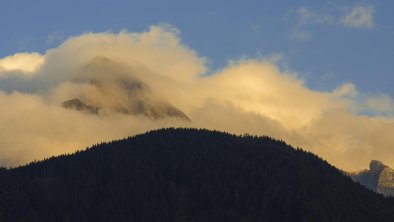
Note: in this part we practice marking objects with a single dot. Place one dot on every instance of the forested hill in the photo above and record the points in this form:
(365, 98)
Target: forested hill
(187, 175)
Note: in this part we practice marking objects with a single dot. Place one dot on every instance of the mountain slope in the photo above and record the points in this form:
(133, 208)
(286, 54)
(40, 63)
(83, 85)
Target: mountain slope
(111, 87)
(379, 178)
(187, 175)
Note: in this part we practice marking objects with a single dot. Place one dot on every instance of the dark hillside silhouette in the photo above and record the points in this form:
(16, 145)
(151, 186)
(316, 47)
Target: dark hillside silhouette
(187, 175)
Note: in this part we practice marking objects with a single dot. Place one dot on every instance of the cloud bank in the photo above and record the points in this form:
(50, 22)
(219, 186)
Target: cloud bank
(248, 96)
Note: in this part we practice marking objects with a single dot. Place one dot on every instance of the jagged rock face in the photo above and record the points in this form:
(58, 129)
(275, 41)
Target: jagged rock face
(376, 166)
(77, 104)
(386, 182)
(379, 178)
(114, 89)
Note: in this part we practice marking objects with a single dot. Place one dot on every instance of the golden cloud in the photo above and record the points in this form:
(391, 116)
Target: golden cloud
(248, 96)
(27, 63)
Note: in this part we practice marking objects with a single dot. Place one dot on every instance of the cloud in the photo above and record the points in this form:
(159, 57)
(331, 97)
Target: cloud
(248, 96)
(25, 63)
(346, 90)
(305, 18)
(54, 37)
(360, 16)
(380, 104)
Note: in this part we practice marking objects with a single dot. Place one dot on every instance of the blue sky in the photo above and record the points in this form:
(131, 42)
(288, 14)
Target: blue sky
(334, 99)
(311, 36)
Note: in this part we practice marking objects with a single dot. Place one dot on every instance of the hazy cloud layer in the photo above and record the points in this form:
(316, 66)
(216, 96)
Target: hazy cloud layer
(248, 96)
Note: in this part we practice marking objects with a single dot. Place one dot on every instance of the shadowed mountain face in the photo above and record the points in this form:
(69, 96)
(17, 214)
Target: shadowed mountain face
(187, 175)
(379, 178)
(114, 89)
(78, 105)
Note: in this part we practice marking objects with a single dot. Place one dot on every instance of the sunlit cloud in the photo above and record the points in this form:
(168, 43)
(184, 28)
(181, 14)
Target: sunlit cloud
(26, 63)
(248, 96)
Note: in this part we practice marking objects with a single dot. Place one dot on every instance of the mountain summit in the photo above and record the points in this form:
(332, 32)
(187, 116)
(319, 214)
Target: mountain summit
(112, 87)
(379, 178)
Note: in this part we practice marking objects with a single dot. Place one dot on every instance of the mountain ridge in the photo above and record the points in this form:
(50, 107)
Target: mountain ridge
(187, 175)
(379, 178)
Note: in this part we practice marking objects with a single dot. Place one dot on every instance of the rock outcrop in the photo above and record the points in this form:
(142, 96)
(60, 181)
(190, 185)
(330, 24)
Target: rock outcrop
(379, 178)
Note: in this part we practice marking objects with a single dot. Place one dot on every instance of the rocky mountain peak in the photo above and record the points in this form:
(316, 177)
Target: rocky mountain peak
(379, 178)
(115, 88)
(376, 166)
(77, 104)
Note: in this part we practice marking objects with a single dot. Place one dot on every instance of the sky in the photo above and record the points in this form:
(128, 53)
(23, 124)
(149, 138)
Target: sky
(312, 37)
(314, 73)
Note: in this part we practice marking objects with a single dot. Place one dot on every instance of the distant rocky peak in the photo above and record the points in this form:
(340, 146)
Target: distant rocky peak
(376, 166)
(379, 178)
(115, 89)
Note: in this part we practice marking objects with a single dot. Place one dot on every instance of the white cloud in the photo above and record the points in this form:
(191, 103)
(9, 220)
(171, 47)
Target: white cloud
(248, 96)
(26, 63)
(360, 16)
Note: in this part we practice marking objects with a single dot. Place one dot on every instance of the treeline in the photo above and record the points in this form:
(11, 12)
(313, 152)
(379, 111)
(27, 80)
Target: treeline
(187, 175)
